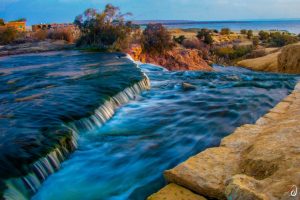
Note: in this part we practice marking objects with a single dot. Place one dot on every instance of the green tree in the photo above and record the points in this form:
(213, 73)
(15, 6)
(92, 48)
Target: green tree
(106, 30)
(20, 20)
(156, 39)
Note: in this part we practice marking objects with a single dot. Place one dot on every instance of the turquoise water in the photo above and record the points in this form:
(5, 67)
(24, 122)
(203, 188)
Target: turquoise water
(125, 158)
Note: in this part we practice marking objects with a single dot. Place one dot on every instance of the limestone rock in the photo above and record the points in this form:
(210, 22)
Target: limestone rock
(289, 59)
(256, 162)
(175, 192)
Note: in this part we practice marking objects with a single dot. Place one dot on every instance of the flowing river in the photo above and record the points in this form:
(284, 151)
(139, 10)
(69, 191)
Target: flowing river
(121, 146)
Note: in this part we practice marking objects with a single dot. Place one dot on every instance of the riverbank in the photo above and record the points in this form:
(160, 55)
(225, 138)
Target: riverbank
(283, 60)
(257, 161)
(35, 47)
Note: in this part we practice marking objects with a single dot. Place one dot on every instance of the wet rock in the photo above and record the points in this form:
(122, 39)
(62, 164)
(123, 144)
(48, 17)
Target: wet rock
(188, 86)
(256, 162)
(175, 192)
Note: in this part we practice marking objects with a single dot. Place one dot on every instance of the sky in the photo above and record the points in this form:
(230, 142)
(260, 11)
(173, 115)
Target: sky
(47, 11)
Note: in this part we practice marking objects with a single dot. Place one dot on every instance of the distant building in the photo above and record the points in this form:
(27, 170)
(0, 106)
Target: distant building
(53, 26)
(19, 26)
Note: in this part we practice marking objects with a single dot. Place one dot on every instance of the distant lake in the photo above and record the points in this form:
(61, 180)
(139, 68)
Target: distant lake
(292, 26)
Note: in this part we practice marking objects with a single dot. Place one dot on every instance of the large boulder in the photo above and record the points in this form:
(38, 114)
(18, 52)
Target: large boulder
(289, 59)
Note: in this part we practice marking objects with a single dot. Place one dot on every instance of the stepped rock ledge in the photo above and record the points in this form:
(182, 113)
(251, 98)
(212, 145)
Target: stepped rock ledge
(258, 161)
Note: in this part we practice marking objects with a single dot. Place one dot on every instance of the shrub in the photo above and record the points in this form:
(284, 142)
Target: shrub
(244, 31)
(156, 39)
(279, 39)
(215, 31)
(225, 31)
(249, 34)
(179, 39)
(255, 41)
(263, 35)
(8, 35)
(205, 36)
(192, 44)
(2, 22)
(61, 34)
(233, 52)
(40, 35)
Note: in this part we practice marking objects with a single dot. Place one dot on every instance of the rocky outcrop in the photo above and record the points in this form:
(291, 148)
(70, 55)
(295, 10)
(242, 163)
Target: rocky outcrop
(287, 60)
(257, 162)
(176, 59)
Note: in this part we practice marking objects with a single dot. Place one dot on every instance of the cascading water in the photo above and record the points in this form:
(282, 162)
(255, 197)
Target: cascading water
(24, 186)
(125, 158)
(58, 99)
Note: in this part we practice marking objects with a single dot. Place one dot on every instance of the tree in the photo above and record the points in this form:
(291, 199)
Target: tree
(249, 34)
(106, 30)
(156, 39)
(205, 36)
(20, 20)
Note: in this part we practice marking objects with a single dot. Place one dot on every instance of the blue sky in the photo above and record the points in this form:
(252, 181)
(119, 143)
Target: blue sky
(45, 11)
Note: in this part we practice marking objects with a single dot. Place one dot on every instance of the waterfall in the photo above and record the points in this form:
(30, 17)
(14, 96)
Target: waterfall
(24, 187)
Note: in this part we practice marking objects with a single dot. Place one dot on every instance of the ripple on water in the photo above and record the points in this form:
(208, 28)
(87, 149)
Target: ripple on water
(125, 158)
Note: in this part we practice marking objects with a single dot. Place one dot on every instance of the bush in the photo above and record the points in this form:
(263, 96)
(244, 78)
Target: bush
(205, 36)
(40, 35)
(278, 39)
(255, 41)
(233, 52)
(2, 22)
(156, 39)
(61, 34)
(179, 39)
(244, 31)
(263, 35)
(192, 44)
(249, 34)
(225, 31)
(8, 35)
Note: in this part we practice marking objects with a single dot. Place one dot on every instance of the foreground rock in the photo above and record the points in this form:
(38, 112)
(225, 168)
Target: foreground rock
(287, 60)
(34, 47)
(175, 192)
(177, 59)
(256, 162)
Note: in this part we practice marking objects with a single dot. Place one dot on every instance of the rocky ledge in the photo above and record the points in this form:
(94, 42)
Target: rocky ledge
(176, 59)
(285, 60)
(258, 161)
(35, 47)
